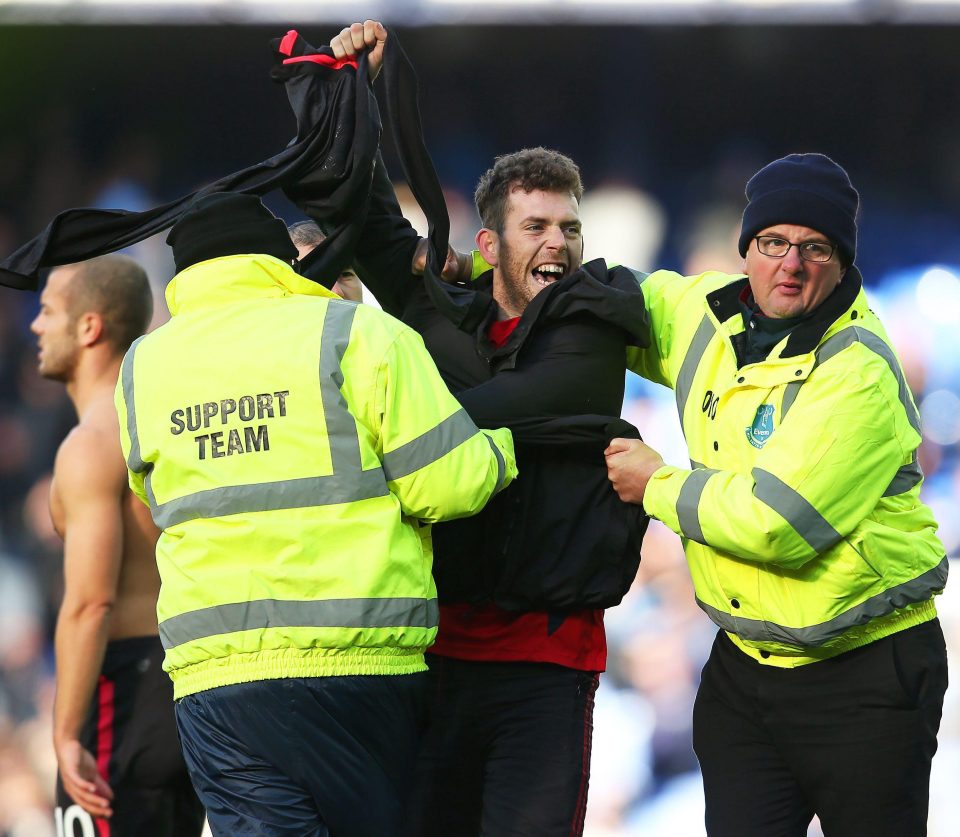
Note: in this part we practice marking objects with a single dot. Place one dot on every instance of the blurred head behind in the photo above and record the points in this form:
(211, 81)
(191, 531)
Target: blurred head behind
(306, 235)
(799, 233)
(101, 305)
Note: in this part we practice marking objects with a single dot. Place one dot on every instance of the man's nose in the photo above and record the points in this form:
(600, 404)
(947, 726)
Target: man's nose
(792, 262)
(556, 239)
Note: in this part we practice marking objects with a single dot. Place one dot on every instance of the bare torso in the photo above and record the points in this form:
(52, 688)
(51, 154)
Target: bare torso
(135, 608)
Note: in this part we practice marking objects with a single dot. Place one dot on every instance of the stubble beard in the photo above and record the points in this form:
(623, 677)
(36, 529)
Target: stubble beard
(59, 366)
(517, 292)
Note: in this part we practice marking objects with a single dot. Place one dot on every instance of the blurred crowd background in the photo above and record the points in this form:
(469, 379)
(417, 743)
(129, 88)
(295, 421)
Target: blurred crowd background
(667, 123)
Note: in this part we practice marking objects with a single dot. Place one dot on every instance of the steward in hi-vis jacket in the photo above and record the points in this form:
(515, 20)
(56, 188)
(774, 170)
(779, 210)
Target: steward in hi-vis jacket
(294, 449)
(802, 523)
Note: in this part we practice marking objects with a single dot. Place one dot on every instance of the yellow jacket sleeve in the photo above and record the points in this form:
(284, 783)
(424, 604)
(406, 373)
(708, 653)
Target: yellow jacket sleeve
(437, 463)
(665, 294)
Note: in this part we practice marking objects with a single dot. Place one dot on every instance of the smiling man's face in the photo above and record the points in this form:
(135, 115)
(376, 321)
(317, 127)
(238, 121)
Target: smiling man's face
(541, 243)
(790, 286)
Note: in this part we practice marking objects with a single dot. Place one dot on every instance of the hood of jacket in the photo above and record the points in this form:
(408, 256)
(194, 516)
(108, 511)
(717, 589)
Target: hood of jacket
(613, 295)
(237, 278)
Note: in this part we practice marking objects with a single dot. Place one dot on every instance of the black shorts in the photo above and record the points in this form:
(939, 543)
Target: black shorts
(131, 732)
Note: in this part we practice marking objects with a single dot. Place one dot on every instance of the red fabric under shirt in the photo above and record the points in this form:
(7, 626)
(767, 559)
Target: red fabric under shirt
(487, 633)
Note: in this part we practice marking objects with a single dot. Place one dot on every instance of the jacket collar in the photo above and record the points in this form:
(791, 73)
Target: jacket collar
(237, 278)
(725, 303)
(612, 295)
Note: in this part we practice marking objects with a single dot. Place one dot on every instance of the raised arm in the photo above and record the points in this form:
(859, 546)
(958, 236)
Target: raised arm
(390, 255)
(387, 247)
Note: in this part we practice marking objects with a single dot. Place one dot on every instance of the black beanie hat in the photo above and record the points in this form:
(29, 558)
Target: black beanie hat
(225, 224)
(809, 190)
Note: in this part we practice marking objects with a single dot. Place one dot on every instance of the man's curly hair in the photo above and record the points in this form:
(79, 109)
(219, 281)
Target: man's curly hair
(529, 169)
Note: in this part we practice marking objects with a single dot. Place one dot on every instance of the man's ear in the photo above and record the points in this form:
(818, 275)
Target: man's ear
(488, 243)
(89, 328)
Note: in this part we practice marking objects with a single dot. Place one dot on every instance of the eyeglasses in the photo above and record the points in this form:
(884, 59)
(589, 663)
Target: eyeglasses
(810, 251)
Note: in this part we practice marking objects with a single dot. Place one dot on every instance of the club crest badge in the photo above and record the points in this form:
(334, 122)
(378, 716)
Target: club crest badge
(759, 432)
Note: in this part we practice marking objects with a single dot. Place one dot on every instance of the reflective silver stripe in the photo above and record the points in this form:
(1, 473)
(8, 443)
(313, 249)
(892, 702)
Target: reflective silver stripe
(790, 393)
(347, 484)
(906, 478)
(501, 465)
(694, 464)
(340, 424)
(134, 461)
(272, 496)
(278, 613)
(688, 369)
(688, 504)
(639, 275)
(798, 512)
(151, 497)
(852, 335)
(909, 475)
(916, 590)
(839, 342)
(430, 446)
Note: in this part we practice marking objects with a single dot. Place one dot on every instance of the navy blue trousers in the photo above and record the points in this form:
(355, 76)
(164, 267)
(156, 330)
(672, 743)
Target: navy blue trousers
(850, 739)
(306, 757)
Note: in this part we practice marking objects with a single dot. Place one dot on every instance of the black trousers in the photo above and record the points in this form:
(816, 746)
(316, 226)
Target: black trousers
(849, 739)
(506, 752)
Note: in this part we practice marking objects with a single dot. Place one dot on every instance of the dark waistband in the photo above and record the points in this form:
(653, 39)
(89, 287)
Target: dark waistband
(121, 653)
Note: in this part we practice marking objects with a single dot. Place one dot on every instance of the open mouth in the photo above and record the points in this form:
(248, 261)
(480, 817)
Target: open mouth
(547, 274)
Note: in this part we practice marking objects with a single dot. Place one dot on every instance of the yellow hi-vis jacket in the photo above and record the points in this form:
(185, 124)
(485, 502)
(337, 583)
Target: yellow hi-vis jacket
(801, 518)
(293, 449)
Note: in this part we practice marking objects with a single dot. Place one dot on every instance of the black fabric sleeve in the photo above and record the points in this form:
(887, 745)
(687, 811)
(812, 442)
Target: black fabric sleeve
(385, 249)
(337, 133)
